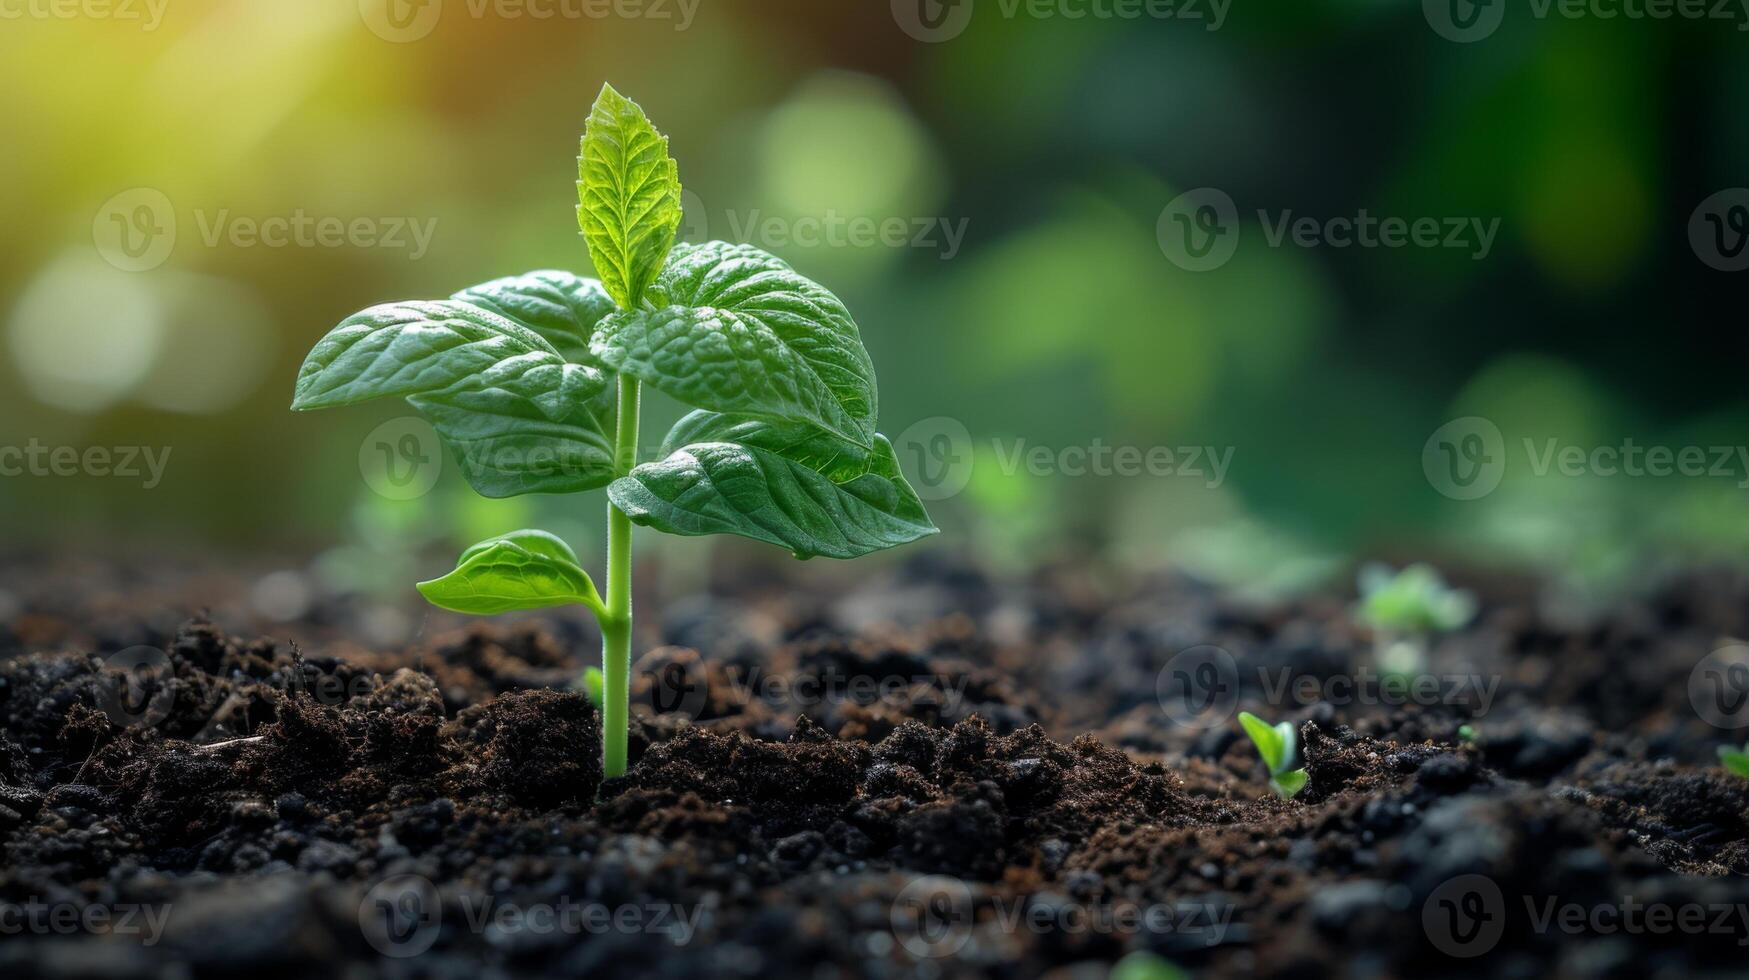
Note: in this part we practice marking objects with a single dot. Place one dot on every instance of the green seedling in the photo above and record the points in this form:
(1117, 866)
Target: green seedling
(1142, 965)
(534, 383)
(592, 684)
(1735, 760)
(1404, 609)
(1279, 747)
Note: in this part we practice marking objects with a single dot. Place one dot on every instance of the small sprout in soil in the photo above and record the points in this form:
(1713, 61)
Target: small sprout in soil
(592, 685)
(534, 383)
(1279, 747)
(1142, 965)
(1735, 760)
(1466, 733)
(1404, 609)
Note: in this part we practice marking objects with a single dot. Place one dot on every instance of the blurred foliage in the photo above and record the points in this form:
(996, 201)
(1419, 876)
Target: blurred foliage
(1058, 321)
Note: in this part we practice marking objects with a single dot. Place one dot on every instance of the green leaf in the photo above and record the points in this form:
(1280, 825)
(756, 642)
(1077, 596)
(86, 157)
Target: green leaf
(1734, 760)
(520, 570)
(529, 539)
(1267, 738)
(563, 308)
(1289, 784)
(408, 349)
(629, 194)
(726, 488)
(525, 425)
(737, 331)
(837, 460)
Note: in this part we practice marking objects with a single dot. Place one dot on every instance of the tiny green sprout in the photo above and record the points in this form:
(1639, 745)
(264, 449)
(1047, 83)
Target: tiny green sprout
(534, 383)
(592, 685)
(1279, 747)
(1466, 733)
(1415, 601)
(1735, 760)
(1143, 965)
(1404, 609)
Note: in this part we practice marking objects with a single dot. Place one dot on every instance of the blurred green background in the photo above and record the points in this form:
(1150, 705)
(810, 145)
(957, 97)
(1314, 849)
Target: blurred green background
(1038, 152)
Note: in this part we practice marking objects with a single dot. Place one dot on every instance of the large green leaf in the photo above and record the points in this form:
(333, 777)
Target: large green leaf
(525, 425)
(727, 488)
(560, 306)
(629, 197)
(520, 570)
(737, 331)
(408, 349)
(837, 460)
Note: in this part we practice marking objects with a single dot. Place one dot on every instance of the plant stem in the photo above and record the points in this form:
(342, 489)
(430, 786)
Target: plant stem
(616, 626)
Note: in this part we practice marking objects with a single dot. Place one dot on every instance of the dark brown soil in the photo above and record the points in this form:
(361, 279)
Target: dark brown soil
(931, 773)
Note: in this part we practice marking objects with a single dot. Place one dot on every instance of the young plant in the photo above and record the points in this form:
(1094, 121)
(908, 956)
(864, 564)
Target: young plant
(534, 383)
(1279, 747)
(1735, 760)
(1143, 965)
(1404, 609)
